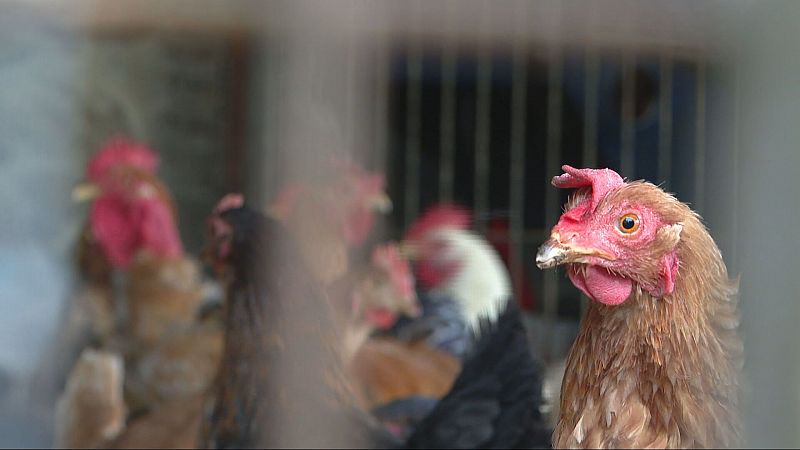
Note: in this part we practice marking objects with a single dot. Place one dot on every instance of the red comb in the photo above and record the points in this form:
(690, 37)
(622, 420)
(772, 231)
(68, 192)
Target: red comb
(437, 217)
(601, 181)
(121, 151)
(229, 201)
(388, 258)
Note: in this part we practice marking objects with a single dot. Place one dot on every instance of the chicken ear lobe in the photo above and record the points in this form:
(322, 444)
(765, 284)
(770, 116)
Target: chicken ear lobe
(669, 236)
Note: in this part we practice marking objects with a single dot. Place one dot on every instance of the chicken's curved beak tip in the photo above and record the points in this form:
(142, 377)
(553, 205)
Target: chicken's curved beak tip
(382, 203)
(85, 192)
(550, 254)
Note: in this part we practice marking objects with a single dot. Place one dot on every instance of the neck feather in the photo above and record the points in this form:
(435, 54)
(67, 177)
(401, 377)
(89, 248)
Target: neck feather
(677, 356)
(481, 286)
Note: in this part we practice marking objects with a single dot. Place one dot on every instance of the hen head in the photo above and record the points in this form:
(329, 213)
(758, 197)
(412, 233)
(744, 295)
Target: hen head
(429, 241)
(451, 259)
(615, 236)
(131, 208)
(220, 231)
(387, 292)
(347, 202)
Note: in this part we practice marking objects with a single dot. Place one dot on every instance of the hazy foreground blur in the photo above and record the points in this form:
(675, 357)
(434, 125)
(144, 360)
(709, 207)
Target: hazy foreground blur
(446, 97)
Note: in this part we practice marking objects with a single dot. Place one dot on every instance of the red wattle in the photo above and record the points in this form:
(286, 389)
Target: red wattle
(601, 285)
(110, 224)
(381, 318)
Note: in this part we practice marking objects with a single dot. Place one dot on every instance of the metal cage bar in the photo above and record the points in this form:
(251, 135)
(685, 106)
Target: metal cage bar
(665, 119)
(351, 87)
(447, 119)
(483, 103)
(590, 86)
(627, 112)
(381, 104)
(413, 136)
(519, 94)
(700, 139)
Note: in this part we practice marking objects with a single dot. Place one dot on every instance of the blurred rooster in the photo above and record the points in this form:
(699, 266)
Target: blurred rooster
(91, 315)
(132, 230)
(496, 399)
(657, 359)
(442, 324)
(133, 222)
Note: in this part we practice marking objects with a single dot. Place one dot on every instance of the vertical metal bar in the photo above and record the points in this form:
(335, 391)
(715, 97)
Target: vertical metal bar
(380, 139)
(590, 117)
(700, 139)
(735, 175)
(483, 104)
(665, 120)
(552, 203)
(447, 123)
(350, 88)
(519, 94)
(266, 161)
(272, 175)
(590, 87)
(627, 111)
(413, 137)
(235, 160)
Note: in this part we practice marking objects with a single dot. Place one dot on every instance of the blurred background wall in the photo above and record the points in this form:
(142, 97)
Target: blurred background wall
(473, 102)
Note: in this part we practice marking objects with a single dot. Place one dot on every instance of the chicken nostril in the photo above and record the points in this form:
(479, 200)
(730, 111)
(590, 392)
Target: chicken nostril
(568, 237)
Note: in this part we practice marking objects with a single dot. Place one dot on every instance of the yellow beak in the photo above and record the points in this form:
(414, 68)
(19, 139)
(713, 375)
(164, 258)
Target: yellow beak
(408, 250)
(85, 192)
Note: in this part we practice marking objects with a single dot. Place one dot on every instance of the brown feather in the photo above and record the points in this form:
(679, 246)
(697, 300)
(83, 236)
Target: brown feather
(385, 370)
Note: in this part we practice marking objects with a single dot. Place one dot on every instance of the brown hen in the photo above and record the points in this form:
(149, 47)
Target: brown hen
(657, 360)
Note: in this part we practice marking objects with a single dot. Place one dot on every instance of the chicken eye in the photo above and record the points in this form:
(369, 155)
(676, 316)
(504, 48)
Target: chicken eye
(629, 223)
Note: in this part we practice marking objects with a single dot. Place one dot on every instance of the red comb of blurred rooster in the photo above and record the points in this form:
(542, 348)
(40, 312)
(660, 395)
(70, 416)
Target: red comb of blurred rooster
(657, 359)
